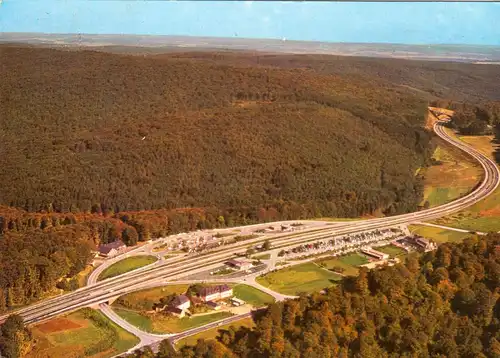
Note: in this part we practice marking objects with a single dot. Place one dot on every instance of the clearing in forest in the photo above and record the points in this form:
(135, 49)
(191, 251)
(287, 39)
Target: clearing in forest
(307, 277)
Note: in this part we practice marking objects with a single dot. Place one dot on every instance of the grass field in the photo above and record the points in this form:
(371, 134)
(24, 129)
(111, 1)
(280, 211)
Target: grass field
(485, 215)
(437, 234)
(392, 251)
(307, 277)
(162, 324)
(75, 336)
(454, 177)
(482, 143)
(140, 300)
(262, 257)
(141, 321)
(332, 262)
(252, 295)
(214, 332)
(353, 259)
(126, 265)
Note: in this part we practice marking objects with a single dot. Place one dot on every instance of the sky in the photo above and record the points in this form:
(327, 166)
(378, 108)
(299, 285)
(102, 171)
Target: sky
(410, 23)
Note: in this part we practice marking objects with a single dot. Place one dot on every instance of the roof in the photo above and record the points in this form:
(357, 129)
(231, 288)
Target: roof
(174, 310)
(179, 300)
(372, 251)
(235, 262)
(207, 291)
(106, 248)
(422, 240)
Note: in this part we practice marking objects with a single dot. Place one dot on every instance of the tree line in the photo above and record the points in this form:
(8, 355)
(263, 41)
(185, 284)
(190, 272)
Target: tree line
(478, 118)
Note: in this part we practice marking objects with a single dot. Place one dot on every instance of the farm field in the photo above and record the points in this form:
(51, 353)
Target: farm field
(76, 335)
(126, 265)
(214, 332)
(307, 277)
(437, 234)
(252, 295)
(485, 215)
(454, 176)
(163, 324)
(392, 251)
(144, 300)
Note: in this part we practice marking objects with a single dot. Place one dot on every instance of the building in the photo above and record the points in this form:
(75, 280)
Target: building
(213, 293)
(112, 249)
(181, 302)
(237, 302)
(213, 305)
(375, 254)
(176, 311)
(424, 244)
(239, 264)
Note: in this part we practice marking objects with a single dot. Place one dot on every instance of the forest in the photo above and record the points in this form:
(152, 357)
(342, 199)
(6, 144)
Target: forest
(90, 131)
(96, 147)
(477, 118)
(445, 303)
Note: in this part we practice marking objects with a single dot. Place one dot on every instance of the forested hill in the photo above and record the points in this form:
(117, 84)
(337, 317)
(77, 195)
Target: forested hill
(90, 131)
(444, 304)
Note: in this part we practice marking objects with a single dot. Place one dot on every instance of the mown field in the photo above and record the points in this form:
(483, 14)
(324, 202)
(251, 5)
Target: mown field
(159, 323)
(349, 263)
(437, 234)
(126, 265)
(307, 277)
(214, 332)
(330, 263)
(76, 335)
(392, 251)
(252, 295)
(454, 175)
(485, 215)
(354, 259)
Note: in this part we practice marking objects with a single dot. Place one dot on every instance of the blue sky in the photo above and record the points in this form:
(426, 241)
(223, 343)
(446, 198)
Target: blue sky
(412, 23)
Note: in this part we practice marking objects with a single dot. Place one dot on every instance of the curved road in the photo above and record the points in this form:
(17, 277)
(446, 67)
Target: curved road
(101, 292)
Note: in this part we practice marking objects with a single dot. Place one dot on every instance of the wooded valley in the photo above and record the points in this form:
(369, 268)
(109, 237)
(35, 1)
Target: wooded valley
(96, 147)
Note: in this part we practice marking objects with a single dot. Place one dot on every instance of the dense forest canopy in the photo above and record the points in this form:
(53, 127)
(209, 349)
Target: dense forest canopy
(444, 304)
(135, 133)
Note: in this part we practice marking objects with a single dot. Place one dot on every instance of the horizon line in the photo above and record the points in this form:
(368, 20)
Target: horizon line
(247, 38)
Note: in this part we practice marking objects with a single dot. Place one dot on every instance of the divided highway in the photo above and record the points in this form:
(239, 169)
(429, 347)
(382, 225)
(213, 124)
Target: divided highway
(109, 289)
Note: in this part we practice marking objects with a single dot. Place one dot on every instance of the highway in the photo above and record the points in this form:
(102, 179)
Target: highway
(101, 292)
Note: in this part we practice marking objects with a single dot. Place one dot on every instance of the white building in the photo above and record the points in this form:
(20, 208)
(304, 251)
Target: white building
(375, 254)
(214, 293)
(239, 264)
(181, 302)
